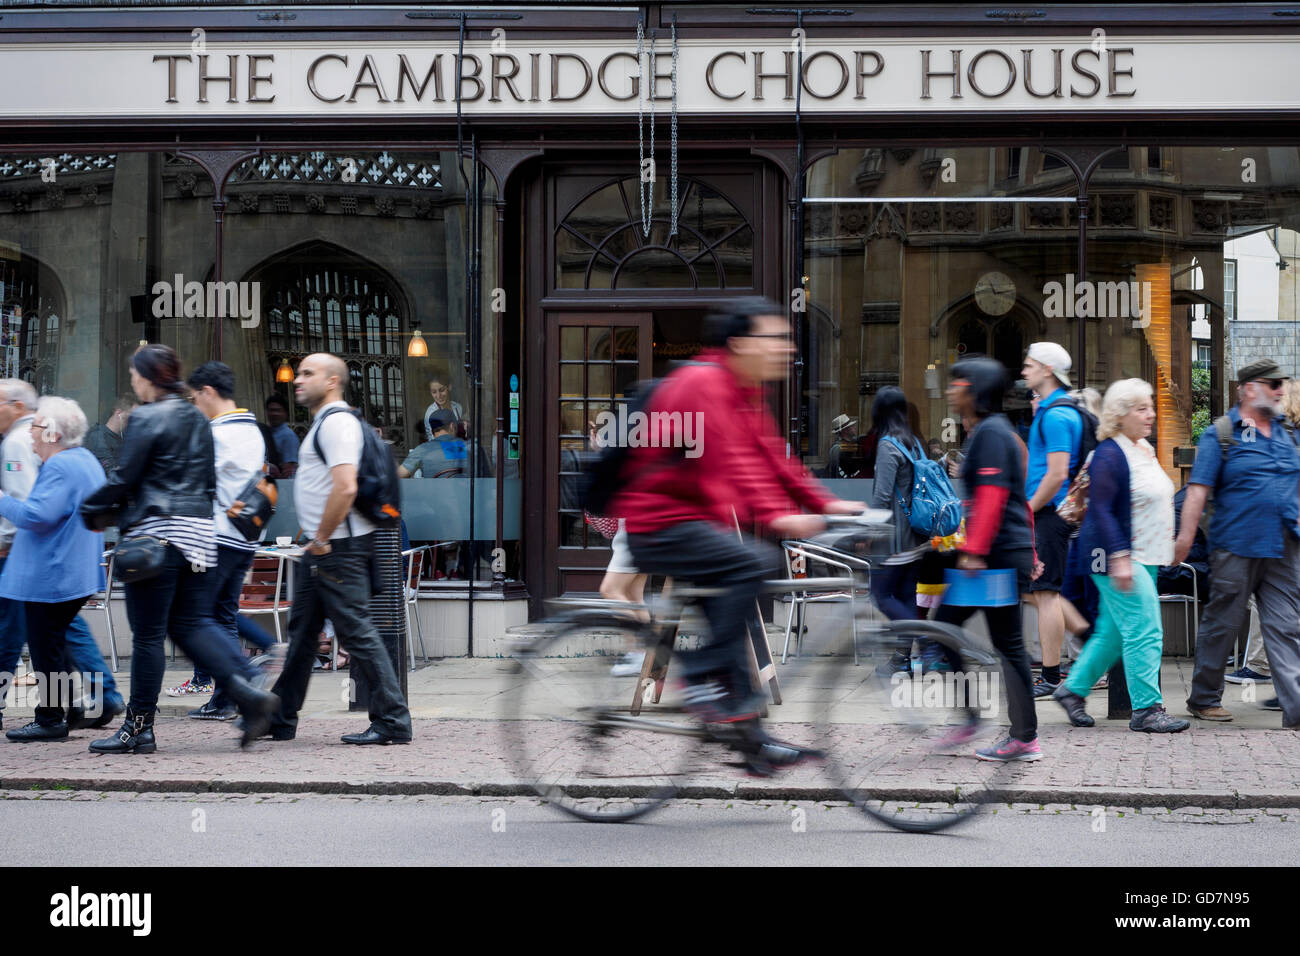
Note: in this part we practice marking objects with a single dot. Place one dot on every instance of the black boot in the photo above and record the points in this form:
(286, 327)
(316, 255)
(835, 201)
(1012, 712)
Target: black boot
(255, 705)
(136, 736)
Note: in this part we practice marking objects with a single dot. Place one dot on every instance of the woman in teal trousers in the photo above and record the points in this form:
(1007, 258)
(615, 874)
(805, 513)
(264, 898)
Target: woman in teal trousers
(1127, 534)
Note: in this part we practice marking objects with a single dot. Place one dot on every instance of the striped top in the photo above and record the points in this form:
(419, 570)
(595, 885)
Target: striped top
(196, 538)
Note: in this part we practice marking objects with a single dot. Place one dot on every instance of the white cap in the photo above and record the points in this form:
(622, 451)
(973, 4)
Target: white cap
(1054, 357)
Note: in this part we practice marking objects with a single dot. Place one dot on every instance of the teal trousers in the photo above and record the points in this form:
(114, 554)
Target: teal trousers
(1128, 627)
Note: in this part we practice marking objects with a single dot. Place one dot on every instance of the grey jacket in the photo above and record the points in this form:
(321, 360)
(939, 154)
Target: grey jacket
(893, 490)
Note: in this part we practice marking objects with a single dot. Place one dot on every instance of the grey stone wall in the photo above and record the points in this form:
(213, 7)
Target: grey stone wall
(1252, 341)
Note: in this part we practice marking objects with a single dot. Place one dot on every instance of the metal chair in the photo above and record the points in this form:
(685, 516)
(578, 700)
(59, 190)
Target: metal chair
(414, 560)
(799, 599)
(103, 602)
(1190, 605)
(262, 591)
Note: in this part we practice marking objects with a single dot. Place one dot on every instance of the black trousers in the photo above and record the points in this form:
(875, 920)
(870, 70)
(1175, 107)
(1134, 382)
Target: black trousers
(1004, 629)
(46, 626)
(698, 552)
(337, 586)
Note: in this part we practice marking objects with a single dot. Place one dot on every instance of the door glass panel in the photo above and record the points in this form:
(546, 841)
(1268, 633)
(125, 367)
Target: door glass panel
(625, 343)
(571, 381)
(571, 343)
(598, 379)
(598, 343)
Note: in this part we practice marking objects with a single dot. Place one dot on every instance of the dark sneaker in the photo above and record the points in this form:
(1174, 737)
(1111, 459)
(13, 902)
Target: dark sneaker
(209, 712)
(1245, 675)
(1008, 749)
(711, 702)
(764, 755)
(1154, 720)
(1272, 704)
(1075, 706)
(898, 663)
(1043, 689)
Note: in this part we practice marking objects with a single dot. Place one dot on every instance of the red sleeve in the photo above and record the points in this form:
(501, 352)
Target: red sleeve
(985, 518)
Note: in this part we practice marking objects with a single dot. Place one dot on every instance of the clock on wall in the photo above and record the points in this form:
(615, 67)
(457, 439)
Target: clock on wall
(995, 294)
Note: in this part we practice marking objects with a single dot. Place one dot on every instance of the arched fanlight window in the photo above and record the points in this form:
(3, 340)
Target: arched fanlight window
(32, 307)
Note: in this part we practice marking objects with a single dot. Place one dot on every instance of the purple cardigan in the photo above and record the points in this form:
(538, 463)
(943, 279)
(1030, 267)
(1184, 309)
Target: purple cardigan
(1108, 523)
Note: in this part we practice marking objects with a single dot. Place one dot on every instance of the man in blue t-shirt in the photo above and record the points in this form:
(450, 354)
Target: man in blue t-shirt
(1055, 437)
(1254, 541)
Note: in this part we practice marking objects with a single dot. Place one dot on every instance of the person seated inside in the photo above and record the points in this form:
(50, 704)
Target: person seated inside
(443, 456)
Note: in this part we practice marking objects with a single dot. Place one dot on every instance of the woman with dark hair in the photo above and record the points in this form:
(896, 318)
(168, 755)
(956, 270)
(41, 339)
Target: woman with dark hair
(161, 495)
(893, 582)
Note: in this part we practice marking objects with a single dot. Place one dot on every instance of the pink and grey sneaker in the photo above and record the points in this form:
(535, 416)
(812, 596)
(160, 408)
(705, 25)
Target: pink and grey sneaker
(957, 736)
(1009, 749)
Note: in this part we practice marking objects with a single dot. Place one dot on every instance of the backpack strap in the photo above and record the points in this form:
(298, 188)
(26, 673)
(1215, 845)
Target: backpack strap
(1223, 428)
(315, 443)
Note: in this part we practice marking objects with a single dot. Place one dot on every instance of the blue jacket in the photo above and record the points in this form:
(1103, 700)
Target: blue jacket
(54, 557)
(1108, 524)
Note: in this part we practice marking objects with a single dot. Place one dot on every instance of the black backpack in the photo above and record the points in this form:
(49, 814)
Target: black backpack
(1087, 441)
(602, 471)
(378, 493)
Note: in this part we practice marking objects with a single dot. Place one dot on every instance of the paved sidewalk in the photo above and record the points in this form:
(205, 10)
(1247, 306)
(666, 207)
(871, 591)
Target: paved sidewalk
(460, 748)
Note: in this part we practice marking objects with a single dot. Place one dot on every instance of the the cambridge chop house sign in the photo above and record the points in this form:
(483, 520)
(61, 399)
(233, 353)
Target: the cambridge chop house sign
(198, 77)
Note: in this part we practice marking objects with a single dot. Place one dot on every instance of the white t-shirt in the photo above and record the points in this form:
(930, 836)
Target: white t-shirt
(1152, 504)
(341, 443)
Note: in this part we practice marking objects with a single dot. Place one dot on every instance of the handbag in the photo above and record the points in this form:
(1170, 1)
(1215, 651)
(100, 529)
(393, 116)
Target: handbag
(1075, 504)
(101, 517)
(608, 527)
(139, 559)
(254, 507)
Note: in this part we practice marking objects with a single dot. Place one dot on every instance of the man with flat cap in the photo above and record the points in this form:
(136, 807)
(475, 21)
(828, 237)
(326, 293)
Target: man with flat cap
(1250, 460)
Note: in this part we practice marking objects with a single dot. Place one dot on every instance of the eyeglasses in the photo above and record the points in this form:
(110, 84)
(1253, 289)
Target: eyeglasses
(1273, 383)
(768, 335)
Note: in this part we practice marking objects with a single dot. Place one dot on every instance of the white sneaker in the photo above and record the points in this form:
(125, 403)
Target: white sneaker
(629, 665)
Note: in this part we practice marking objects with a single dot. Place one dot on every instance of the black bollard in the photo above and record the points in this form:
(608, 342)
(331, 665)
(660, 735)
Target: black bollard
(386, 613)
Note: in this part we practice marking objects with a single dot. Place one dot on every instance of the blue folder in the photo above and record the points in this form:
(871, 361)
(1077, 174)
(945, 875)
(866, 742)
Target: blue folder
(991, 588)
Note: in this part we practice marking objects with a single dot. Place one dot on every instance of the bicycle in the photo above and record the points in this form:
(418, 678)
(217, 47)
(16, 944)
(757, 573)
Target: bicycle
(576, 736)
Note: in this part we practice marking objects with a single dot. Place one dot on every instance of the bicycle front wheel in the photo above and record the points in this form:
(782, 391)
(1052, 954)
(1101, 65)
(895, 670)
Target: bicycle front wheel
(902, 726)
(572, 731)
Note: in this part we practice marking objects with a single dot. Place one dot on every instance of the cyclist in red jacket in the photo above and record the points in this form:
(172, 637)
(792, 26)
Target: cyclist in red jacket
(713, 458)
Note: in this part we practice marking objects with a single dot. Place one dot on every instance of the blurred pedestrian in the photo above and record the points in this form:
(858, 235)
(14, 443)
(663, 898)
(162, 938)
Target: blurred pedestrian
(55, 560)
(893, 581)
(1127, 534)
(161, 495)
(1250, 461)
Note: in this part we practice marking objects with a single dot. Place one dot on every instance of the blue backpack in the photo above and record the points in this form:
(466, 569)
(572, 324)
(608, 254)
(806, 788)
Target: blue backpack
(935, 509)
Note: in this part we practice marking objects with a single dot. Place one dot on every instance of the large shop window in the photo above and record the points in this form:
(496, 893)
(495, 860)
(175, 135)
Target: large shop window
(363, 253)
(914, 258)
(99, 251)
(1195, 251)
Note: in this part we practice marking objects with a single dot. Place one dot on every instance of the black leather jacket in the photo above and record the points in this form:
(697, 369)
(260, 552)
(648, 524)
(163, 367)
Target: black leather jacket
(165, 467)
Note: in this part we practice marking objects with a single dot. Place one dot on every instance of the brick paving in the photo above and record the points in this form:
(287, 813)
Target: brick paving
(460, 748)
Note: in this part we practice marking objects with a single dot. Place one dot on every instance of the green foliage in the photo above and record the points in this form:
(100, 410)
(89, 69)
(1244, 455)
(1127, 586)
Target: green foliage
(1200, 388)
(1200, 422)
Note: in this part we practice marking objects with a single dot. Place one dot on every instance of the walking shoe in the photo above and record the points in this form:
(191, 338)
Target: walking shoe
(1103, 682)
(933, 659)
(135, 736)
(35, 731)
(106, 709)
(1075, 707)
(1043, 689)
(958, 735)
(1245, 675)
(1210, 713)
(189, 687)
(765, 755)
(1008, 749)
(898, 663)
(1271, 704)
(629, 665)
(1154, 720)
(209, 712)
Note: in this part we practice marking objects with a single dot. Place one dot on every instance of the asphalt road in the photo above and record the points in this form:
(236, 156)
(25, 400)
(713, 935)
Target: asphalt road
(63, 828)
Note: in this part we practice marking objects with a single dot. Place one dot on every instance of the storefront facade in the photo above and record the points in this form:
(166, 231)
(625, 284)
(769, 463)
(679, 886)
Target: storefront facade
(259, 183)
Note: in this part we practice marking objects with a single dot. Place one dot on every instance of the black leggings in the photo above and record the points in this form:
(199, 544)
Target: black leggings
(1004, 630)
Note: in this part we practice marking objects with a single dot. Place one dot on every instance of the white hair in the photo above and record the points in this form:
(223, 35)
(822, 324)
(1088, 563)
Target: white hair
(65, 417)
(1121, 398)
(16, 390)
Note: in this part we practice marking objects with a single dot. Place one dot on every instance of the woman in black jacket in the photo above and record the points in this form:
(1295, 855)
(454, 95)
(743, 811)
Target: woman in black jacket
(162, 491)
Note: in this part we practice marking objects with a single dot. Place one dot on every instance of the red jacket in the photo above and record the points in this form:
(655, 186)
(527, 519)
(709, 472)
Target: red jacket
(725, 453)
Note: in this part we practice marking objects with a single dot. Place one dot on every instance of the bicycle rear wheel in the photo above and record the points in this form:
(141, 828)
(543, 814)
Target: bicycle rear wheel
(901, 744)
(572, 734)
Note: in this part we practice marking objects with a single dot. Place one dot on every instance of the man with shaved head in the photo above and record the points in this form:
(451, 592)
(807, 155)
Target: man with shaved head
(333, 580)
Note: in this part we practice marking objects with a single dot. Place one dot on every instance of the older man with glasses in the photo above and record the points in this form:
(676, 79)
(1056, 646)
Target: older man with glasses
(1250, 459)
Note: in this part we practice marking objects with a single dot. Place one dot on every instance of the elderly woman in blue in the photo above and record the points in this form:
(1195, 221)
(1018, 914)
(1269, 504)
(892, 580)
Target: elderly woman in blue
(1127, 535)
(54, 565)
